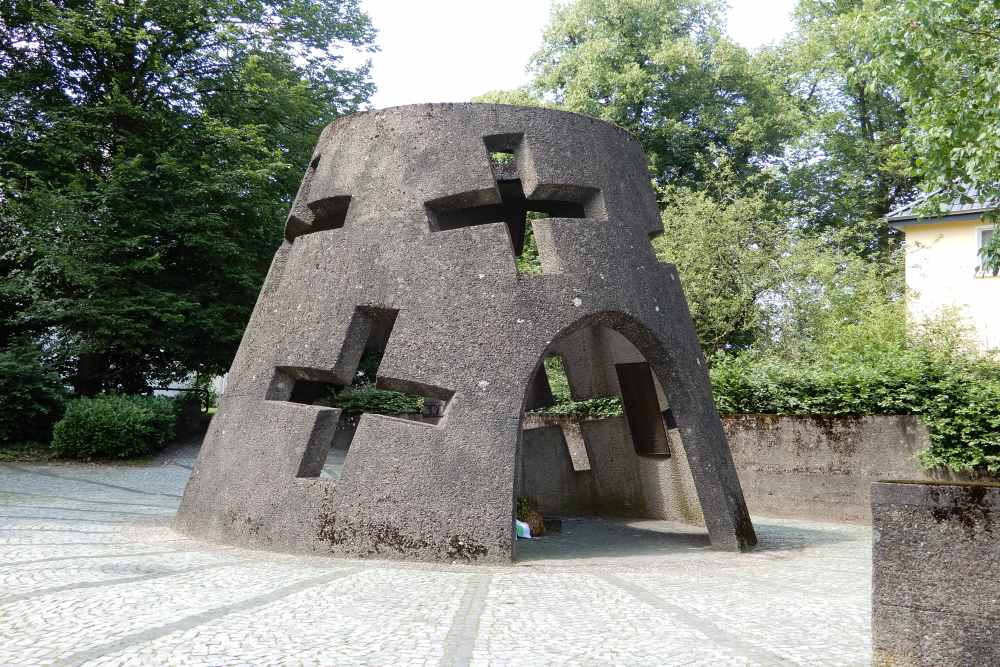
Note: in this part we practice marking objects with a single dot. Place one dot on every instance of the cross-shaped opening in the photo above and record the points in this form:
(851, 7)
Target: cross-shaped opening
(365, 392)
(514, 209)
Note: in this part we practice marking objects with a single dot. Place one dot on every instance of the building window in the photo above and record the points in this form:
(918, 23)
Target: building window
(983, 237)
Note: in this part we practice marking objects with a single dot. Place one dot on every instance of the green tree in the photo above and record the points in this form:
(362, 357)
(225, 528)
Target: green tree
(728, 251)
(663, 70)
(844, 172)
(522, 97)
(148, 154)
(828, 299)
(943, 58)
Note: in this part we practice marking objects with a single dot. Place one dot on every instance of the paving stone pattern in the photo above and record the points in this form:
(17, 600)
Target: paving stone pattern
(92, 574)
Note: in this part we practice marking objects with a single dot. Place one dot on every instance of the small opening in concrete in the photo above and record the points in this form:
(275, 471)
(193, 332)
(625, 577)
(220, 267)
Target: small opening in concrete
(555, 372)
(646, 419)
(503, 143)
(329, 213)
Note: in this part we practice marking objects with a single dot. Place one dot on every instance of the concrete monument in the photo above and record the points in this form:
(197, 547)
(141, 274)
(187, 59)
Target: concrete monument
(404, 236)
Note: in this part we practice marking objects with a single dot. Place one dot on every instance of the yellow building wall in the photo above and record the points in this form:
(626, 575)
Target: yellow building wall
(941, 262)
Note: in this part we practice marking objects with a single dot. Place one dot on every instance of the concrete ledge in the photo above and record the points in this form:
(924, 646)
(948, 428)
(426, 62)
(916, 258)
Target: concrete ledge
(936, 573)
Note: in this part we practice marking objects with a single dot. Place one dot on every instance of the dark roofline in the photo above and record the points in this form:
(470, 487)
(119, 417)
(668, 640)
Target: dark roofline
(955, 211)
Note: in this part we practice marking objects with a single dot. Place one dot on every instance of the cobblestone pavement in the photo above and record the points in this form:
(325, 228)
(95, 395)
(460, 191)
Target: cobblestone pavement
(91, 574)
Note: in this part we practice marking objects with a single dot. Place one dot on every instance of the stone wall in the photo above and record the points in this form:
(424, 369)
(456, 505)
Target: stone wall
(935, 574)
(797, 467)
(822, 467)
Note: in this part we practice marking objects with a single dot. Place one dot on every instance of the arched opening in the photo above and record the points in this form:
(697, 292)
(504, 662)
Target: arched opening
(599, 441)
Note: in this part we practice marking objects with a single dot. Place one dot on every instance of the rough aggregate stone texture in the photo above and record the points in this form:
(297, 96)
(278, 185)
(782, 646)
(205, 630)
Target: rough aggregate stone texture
(92, 575)
(936, 573)
(620, 482)
(822, 468)
(818, 468)
(392, 225)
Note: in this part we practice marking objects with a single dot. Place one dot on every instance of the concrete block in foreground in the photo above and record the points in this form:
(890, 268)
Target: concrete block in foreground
(936, 573)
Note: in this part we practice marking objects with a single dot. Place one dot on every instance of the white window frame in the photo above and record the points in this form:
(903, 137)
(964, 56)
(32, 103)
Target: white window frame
(980, 229)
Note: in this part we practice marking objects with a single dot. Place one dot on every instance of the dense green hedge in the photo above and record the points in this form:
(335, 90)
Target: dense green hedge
(114, 427)
(32, 397)
(956, 396)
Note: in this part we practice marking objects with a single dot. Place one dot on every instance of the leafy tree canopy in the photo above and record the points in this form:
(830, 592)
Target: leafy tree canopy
(148, 153)
(943, 57)
(845, 171)
(663, 70)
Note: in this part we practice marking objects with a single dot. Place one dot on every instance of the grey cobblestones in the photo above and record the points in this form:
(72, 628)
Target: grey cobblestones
(91, 574)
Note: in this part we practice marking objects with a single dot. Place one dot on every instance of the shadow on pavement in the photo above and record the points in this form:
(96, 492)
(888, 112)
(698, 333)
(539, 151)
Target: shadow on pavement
(593, 537)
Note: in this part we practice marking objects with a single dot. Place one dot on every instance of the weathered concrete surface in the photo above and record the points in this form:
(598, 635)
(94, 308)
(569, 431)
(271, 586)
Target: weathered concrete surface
(795, 467)
(935, 574)
(618, 483)
(822, 467)
(391, 233)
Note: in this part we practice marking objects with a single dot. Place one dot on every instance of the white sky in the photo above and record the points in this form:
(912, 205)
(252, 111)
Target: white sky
(452, 50)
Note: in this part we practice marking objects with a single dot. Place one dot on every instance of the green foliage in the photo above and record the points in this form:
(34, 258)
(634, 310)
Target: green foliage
(942, 57)
(521, 97)
(31, 395)
(203, 390)
(368, 368)
(728, 251)
(528, 262)
(114, 426)
(828, 300)
(367, 398)
(150, 151)
(555, 372)
(663, 70)
(954, 391)
(990, 252)
(363, 396)
(843, 172)
(751, 281)
(591, 408)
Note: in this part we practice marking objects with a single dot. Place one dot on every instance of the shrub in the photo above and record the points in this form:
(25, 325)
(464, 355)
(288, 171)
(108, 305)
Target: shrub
(32, 397)
(114, 427)
(957, 395)
(367, 398)
(203, 390)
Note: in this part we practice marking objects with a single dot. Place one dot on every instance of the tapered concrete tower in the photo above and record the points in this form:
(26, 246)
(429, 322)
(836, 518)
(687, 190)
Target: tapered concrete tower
(404, 236)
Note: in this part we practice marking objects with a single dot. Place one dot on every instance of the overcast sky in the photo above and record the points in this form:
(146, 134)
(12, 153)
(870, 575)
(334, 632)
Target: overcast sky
(451, 50)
